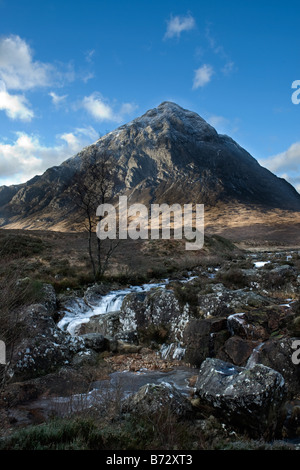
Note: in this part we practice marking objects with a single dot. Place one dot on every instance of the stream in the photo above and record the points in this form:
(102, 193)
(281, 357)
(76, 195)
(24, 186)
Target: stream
(119, 383)
(119, 386)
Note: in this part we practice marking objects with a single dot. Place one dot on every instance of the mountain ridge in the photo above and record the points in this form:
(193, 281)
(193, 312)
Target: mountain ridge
(169, 154)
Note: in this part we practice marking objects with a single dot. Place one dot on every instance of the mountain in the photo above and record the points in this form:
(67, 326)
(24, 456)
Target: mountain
(167, 155)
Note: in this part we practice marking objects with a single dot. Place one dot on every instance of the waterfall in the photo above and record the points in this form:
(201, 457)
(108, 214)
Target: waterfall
(79, 312)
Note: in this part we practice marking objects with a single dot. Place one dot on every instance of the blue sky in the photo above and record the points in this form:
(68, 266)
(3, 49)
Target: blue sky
(71, 71)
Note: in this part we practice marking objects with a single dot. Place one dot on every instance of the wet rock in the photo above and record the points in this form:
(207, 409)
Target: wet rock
(94, 293)
(250, 400)
(153, 398)
(96, 342)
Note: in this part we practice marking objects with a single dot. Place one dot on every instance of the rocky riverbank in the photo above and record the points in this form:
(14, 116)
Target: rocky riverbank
(233, 325)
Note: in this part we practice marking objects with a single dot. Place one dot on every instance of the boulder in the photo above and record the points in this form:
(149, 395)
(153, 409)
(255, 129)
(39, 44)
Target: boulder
(94, 293)
(158, 308)
(96, 342)
(224, 301)
(250, 400)
(42, 346)
(107, 324)
(277, 353)
(153, 398)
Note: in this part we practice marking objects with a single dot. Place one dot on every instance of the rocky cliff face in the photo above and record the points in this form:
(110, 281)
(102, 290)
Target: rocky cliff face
(167, 155)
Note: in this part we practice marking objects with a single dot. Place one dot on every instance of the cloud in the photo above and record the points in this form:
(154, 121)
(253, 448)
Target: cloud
(228, 68)
(219, 122)
(27, 156)
(286, 164)
(202, 76)
(20, 71)
(100, 110)
(56, 99)
(97, 108)
(289, 160)
(89, 55)
(222, 124)
(229, 65)
(177, 24)
(87, 76)
(15, 106)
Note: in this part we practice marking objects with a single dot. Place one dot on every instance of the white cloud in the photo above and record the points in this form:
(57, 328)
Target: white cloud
(97, 108)
(27, 156)
(202, 76)
(88, 76)
(289, 160)
(222, 124)
(178, 24)
(102, 111)
(15, 106)
(57, 99)
(127, 108)
(18, 69)
(286, 164)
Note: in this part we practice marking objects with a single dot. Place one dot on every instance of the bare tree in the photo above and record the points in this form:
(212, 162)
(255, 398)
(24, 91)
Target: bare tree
(93, 185)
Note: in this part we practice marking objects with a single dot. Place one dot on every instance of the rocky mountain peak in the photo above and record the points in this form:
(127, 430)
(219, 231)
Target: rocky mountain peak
(167, 155)
(170, 117)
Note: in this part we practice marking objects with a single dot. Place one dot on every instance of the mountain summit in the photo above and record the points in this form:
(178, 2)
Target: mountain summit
(167, 155)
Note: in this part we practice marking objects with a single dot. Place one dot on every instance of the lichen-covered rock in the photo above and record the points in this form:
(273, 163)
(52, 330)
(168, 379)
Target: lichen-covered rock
(42, 346)
(277, 354)
(230, 301)
(158, 307)
(248, 399)
(49, 298)
(152, 398)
